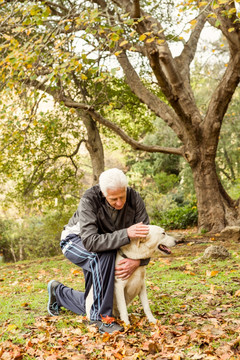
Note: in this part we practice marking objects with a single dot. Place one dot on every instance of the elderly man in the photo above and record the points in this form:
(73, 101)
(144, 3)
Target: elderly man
(108, 216)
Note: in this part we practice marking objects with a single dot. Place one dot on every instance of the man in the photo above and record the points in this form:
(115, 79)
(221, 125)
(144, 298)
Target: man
(109, 215)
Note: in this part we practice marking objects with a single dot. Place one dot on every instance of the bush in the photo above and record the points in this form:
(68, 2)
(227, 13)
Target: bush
(33, 237)
(6, 244)
(234, 190)
(180, 217)
(165, 182)
(171, 211)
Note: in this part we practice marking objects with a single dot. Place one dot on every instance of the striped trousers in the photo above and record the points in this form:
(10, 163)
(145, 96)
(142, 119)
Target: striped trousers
(98, 269)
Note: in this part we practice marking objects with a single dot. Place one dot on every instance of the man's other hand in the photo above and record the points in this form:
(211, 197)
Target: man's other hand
(125, 268)
(139, 230)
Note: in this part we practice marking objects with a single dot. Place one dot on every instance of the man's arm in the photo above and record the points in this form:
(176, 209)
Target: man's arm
(126, 267)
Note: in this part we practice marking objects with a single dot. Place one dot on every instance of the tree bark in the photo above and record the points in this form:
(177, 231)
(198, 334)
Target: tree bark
(94, 146)
(215, 207)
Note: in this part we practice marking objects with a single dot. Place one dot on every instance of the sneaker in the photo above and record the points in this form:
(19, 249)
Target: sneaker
(53, 307)
(108, 328)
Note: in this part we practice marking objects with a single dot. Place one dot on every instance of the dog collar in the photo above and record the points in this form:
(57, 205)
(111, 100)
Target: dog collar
(122, 254)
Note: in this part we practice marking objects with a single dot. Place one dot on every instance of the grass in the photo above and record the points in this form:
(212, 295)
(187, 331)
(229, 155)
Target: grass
(197, 306)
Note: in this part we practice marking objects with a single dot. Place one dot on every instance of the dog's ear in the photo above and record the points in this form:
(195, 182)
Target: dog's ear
(139, 240)
(145, 239)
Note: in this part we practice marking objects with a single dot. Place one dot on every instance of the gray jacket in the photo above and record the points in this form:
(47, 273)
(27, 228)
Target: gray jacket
(94, 224)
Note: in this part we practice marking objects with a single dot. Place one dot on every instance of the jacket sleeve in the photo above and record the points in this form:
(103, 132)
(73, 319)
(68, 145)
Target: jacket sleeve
(92, 240)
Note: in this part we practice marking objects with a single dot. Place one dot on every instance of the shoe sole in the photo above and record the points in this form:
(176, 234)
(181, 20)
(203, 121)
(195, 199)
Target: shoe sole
(50, 297)
(112, 332)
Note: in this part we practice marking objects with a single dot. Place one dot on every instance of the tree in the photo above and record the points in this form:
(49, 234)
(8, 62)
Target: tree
(40, 50)
(207, 77)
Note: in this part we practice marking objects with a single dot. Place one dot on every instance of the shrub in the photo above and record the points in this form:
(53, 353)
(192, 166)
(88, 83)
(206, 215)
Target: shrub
(171, 211)
(33, 237)
(180, 217)
(165, 182)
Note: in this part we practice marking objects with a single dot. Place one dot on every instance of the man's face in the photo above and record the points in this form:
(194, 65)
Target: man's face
(117, 198)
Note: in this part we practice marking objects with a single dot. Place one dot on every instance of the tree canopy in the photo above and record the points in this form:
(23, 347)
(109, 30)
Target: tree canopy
(68, 50)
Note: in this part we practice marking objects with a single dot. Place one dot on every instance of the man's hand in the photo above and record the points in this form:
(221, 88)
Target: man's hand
(125, 268)
(139, 230)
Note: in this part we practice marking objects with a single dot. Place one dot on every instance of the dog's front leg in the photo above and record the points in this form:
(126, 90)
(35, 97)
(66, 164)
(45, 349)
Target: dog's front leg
(89, 302)
(144, 300)
(120, 300)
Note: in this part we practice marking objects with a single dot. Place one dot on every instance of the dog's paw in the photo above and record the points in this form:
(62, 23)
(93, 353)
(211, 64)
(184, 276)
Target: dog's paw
(152, 320)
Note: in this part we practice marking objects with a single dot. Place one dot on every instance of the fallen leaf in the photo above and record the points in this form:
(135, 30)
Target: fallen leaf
(237, 293)
(189, 272)
(213, 290)
(176, 357)
(153, 348)
(75, 271)
(107, 319)
(25, 304)
(211, 273)
(11, 327)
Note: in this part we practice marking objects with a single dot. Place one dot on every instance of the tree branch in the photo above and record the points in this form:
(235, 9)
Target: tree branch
(134, 144)
(173, 85)
(137, 11)
(160, 108)
(184, 60)
(222, 96)
(228, 22)
(100, 119)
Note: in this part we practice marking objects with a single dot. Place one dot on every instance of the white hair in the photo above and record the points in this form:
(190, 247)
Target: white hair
(112, 179)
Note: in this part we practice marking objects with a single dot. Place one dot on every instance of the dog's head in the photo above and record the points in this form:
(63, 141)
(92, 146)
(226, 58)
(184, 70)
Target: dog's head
(143, 248)
(158, 240)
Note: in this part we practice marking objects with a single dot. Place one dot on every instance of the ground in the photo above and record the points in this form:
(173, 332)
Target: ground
(196, 304)
(200, 242)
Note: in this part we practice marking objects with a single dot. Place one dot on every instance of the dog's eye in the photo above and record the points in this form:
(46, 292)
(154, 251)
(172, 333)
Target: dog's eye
(164, 233)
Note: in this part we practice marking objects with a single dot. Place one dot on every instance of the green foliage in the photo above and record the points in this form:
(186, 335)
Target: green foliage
(6, 227)
(167, 204)
(165, 182)
(33, 237)
(172, 210)
(39, 153)
(123, 108)
(155, 172)
(67, 49)
(157, 177)
(234, 190)
(180, 217)
(151, 164)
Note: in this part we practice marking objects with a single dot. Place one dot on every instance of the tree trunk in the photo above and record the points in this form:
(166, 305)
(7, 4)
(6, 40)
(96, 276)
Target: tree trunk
(215, 208)
(94, 146)
(13, 252)
(21, 249)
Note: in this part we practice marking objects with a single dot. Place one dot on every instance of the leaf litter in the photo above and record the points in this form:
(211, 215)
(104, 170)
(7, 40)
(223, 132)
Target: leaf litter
(184, 330)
